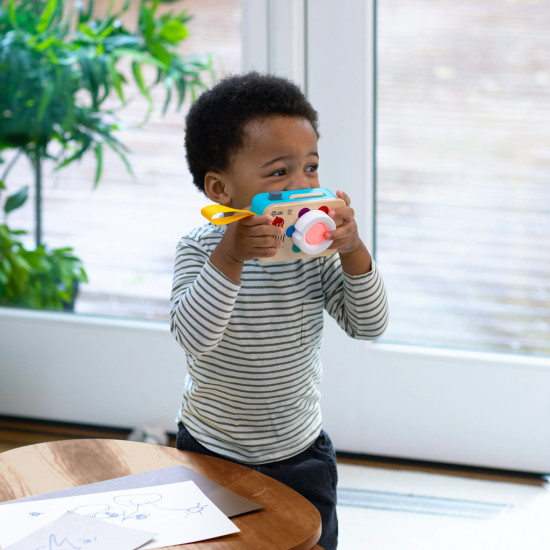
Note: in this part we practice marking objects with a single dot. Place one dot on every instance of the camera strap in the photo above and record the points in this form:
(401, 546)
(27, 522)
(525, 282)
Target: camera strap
(217, 214)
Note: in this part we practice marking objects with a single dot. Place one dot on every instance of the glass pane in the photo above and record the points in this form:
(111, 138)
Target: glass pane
(126, 230)
(463, 172)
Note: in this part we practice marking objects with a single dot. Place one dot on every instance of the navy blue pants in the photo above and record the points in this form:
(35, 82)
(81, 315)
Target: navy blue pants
(311, 473)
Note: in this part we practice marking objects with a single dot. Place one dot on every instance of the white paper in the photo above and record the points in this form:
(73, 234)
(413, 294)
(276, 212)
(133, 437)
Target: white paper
(72, 531)
(179, 512)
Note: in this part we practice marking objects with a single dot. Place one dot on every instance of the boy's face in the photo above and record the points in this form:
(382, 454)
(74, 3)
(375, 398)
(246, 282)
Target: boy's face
(279, 153)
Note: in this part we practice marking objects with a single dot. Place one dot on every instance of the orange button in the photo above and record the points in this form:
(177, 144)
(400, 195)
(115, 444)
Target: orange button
(316, 233)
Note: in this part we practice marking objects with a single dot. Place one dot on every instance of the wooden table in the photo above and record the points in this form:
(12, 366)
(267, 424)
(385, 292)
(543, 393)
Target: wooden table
(287, 520)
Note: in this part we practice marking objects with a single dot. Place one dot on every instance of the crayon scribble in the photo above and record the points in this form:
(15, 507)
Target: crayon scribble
(137, 507)
(65, 543)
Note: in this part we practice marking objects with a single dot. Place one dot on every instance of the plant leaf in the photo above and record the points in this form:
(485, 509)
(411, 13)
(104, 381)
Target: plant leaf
(140, 81)
(174, 31)
(13, 202)
(98, 150)
(47, 16)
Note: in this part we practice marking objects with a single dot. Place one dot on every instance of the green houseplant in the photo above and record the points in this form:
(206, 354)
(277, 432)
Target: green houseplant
(38, 277)
(63, 78)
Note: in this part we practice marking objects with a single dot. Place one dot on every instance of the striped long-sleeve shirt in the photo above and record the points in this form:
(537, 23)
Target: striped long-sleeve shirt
(253, 348)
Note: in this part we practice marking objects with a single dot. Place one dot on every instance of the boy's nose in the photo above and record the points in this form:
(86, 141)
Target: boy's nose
(298, 183)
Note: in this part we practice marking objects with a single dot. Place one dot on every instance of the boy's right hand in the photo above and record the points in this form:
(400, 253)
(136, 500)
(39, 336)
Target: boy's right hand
(246, 239)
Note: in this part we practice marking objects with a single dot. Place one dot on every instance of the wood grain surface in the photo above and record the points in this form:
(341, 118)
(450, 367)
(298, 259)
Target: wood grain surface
(287, 520)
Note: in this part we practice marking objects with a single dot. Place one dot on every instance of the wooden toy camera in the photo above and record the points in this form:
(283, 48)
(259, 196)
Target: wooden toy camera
(303, 215)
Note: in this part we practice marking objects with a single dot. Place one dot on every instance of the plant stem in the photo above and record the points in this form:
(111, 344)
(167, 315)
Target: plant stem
(38, 197)
(10, 165)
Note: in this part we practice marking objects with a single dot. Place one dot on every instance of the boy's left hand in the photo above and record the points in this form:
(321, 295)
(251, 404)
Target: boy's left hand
(345, 236)
(355, 258)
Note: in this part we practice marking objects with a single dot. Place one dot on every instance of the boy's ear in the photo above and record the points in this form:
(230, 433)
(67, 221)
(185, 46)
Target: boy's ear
(216, 189)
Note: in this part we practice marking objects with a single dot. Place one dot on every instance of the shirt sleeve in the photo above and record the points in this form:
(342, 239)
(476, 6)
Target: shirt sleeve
(358, 303)
(202, 300)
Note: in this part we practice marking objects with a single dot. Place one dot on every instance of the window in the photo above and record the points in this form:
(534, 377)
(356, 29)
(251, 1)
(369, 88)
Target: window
(430, 399)
(462, 216)
(126, 230)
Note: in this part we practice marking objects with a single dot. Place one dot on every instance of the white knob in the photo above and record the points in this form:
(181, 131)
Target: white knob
(310, 230)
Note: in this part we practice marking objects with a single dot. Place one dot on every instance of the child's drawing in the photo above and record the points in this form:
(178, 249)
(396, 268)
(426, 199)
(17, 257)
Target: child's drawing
(65, 543)
(178, 513)
(74, 532)
(133, 506)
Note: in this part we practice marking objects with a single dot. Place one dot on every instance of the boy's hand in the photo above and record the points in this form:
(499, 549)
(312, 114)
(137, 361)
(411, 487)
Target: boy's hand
(246, 239)
(345, 236)
(252, 237)
(354, 256)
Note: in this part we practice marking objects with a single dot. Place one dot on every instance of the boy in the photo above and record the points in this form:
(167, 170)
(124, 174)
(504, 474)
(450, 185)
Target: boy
(251, 330)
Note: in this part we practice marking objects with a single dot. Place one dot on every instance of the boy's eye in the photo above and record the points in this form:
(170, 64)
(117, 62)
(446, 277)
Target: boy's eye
(280, 172)
(312, 168)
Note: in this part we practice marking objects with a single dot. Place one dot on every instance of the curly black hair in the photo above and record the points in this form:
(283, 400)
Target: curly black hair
(215, 123)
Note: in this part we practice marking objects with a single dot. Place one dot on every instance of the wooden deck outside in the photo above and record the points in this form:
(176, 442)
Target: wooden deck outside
(463, 217)
(464, 172)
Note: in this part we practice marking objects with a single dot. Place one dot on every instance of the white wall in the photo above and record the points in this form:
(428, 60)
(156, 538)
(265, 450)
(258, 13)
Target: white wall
(476, 409)
(60, 366)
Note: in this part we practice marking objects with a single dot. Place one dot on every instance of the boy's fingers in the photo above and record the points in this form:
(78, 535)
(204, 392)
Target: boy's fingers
(344, 197)
(255, 230)
(346, 213)
(345, 230)
(257, 220)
